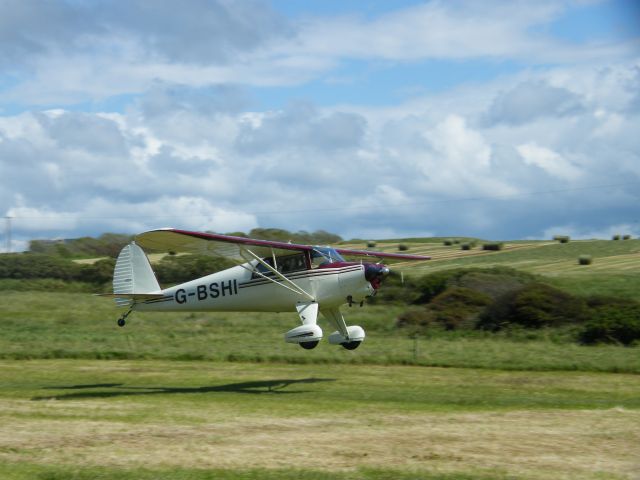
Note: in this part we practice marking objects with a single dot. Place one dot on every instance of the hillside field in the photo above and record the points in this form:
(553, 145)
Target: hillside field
(615, 270)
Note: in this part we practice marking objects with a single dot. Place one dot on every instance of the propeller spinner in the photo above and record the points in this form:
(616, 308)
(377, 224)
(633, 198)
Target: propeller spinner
(375, 273)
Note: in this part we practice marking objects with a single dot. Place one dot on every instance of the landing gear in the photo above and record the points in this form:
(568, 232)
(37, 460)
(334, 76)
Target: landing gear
(309, 345)
(351, 345)
(122, 321)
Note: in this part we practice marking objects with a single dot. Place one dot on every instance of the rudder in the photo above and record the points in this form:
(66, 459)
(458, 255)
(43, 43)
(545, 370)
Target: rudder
(133, 274)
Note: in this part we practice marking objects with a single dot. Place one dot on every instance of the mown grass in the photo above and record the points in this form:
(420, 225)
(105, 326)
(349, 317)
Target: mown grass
(320, 389)
(546, 256)
(199, 420)
(38, 472)
(68, 325)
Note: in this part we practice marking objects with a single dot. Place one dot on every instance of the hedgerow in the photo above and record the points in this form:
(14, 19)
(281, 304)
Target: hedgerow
(612, 321)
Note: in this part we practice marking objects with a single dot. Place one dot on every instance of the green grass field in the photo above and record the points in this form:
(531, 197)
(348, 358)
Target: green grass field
(69, 325)
(84, 419)
(221, 396)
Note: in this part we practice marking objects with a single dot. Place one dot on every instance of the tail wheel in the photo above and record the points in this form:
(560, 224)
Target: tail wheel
(309, 345)
(121, 322)
(351, 345)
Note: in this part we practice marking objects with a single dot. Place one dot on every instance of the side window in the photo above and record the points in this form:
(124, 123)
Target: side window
(317, 260)
(292, 263)
(262, 269)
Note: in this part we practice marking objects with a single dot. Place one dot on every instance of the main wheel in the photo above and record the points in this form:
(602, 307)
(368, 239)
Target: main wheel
(309, 345)
(351, 345)
(121, 322)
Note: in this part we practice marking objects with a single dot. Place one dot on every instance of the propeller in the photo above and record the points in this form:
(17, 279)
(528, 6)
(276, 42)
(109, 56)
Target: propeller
(375, 272)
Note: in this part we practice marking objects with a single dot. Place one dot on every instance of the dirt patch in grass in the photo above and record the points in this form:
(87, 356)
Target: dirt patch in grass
(533, 444)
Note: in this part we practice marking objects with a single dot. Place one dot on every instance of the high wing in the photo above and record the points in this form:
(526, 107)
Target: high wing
(369, 254)
(184, 241)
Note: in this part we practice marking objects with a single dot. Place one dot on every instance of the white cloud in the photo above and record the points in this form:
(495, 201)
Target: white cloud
(302, 126)
(529, 101)
(113, 215)
(33, 219)
(451, 30)
(548, 160)
(225, 166)
(456, 160)
(196, 154)
(75, 53)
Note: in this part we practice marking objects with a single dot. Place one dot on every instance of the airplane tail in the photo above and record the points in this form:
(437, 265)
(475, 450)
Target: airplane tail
(133, 275)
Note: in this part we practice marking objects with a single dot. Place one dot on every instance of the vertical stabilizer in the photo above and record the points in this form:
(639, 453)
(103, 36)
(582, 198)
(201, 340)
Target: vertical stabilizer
(133, 273)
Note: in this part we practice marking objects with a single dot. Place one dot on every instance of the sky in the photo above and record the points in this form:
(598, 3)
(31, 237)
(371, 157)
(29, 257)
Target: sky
(370, 119)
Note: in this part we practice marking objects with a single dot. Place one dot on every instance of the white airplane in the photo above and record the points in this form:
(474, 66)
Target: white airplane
(270, 277)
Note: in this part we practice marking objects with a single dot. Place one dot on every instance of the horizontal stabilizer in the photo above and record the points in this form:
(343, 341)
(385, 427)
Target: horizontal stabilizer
(132, 296)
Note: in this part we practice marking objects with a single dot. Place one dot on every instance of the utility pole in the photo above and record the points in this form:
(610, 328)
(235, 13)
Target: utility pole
(8, 233)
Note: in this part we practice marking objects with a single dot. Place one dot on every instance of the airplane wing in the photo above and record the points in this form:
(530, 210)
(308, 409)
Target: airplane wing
(369, 254)
(184, 241)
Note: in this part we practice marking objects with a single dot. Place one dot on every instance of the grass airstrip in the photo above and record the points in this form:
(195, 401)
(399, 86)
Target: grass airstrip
(220, 396)
(165, 419)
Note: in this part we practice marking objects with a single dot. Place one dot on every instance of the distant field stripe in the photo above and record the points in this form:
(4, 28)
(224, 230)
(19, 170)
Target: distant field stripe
(613, 263)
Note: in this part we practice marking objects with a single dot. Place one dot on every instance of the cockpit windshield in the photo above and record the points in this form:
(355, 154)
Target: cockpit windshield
(325, 255)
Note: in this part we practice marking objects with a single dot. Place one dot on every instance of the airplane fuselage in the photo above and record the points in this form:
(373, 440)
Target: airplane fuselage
(239, 289)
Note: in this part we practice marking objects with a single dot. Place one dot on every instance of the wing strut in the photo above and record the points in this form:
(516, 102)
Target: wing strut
(335, 317)
(293, 287)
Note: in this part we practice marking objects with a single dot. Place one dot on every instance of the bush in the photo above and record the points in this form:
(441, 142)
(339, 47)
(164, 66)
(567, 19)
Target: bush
(98, 272)
(493, 246)
(585, 260)
(371, 244)
(562, 238)
(494, 282)
(36, 266)
(455, 308)
(429, 286)
(403, 247)
(465, 246)
(395, 291)
(458, 307)
(26, 265)
(613, 323)
(108, 244)
(534, 306)
(615, 237)
(626, 237)
(414, 317)
(448, 242)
